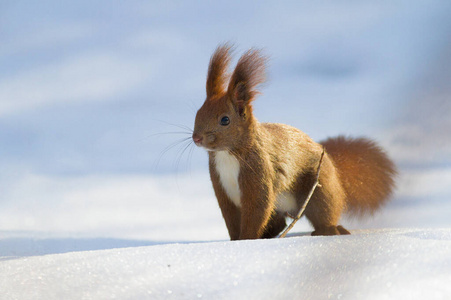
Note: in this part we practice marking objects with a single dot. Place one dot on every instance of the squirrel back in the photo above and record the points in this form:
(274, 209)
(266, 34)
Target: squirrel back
(263, 171)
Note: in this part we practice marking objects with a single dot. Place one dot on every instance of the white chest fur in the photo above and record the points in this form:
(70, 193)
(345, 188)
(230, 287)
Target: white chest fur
(228, 169)
(286, 202)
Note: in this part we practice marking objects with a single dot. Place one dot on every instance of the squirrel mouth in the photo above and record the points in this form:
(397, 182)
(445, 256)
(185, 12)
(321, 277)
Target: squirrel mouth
(209, 149)
(202, 141)
(201, 145)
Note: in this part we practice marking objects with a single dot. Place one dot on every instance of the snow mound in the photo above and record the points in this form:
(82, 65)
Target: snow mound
(369, 264)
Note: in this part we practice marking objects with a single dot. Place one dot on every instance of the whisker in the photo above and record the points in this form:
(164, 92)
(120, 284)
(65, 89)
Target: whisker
(170, 132)
(184, 127)
(171, 146)
(176, 143)
(190, 156)
(242, 159)
(182, 150)
(180, 155)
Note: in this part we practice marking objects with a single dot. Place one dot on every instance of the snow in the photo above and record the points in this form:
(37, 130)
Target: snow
(370, 264)
(171, 243)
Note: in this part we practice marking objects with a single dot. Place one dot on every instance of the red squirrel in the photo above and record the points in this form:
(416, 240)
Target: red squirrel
(262, 172)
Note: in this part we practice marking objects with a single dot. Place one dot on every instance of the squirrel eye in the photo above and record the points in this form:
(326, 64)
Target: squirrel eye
(225, 121)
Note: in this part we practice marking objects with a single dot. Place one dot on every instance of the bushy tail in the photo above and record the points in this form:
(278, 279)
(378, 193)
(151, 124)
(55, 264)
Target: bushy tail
(366, 173)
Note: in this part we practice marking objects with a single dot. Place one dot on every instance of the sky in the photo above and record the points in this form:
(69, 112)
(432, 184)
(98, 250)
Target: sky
(107, 89)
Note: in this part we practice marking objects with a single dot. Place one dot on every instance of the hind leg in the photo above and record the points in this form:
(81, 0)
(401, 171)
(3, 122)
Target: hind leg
(331, 230)
(327, 203)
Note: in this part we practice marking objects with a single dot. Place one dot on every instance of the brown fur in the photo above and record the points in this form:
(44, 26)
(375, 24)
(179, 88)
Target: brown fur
(277, 160)
(361, 163)
(217, 76)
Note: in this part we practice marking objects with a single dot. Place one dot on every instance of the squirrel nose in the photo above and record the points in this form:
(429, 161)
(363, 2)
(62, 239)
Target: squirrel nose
(197, 138)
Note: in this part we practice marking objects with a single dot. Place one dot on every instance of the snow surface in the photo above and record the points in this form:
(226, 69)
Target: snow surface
(157, 237)
(374, 264)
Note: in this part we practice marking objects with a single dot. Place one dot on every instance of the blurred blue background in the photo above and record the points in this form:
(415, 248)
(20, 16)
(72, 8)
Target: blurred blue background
(91, 87)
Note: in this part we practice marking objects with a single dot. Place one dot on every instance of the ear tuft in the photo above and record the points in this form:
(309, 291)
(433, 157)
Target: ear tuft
(217, 71)
(249, 73)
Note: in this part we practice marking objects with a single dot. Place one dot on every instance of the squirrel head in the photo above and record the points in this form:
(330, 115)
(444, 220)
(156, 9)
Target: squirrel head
(225, 120)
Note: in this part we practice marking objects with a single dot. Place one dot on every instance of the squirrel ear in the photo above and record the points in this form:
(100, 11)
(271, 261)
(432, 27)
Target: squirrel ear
(217, 70)
(240, 98)
(240, 92)
(249, 73)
